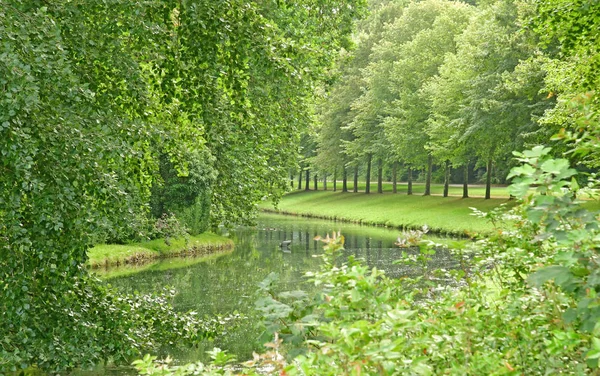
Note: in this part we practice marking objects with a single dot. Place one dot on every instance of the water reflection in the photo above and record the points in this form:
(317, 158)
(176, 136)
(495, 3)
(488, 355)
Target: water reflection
(228, 283)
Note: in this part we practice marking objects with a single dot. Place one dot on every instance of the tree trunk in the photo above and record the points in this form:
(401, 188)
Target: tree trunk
(292, 180)
(368, 177)
(428, 179)
(355, 189)
(300, 180)
(488, 180)
(447, 178)
(466, 181)
(345, 180)
(325, 182)
(335, 179)
(380, 176)
(394, 177)
(410, 192)
(315, 182)
(307, 182)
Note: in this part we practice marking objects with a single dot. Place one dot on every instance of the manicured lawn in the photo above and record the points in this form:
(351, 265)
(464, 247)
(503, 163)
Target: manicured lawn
(113, 254)
(441, 214)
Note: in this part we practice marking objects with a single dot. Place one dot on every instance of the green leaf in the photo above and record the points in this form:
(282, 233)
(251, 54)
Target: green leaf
(548, 273)
(524, 170)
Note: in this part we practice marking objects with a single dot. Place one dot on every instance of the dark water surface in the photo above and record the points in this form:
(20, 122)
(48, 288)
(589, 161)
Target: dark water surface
(227, 284)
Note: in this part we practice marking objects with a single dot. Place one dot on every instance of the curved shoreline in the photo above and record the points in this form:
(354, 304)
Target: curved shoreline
(107, 255)
(465, 234)
(450, 216)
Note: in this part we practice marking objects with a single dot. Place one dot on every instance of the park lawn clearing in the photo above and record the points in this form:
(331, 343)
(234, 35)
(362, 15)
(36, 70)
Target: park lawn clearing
(443, 215)
(136, 253)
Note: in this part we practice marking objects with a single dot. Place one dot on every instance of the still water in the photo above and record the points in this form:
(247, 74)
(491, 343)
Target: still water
(227, 283)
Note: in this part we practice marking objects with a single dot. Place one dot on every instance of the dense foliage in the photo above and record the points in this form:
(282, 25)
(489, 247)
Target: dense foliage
(525, 300)
(114, 114)
(449, 89)
(496, 314)
(109, 106)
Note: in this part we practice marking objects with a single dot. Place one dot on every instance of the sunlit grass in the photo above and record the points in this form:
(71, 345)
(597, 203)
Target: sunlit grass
(157, 265)
(113, 254)
(441, 214)
(447, 215)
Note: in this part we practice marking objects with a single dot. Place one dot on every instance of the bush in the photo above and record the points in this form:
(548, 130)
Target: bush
(498, 314)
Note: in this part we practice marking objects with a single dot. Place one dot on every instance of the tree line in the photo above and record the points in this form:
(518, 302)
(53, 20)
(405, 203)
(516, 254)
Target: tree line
(452, 87)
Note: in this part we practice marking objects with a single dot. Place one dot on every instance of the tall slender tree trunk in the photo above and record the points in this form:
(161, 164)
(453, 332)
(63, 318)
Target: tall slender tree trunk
(335, 179)
(428, 179)
(488, 180)
(368, 177)
(325, 182)
(395, 177)
(307, 182)
(410, 191)
(355, 189)
(379, 176)
(466, 181)
(447, 178)
(345, 180)
(300, 179)
(292, 180)
(315, 182)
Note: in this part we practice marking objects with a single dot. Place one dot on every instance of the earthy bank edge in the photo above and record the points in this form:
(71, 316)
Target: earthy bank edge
(105, 255)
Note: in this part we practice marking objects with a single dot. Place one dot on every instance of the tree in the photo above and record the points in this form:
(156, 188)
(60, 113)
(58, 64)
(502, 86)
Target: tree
(571, 59)
(350, 124)
(94, 97)
(479, 99)
(425, 34)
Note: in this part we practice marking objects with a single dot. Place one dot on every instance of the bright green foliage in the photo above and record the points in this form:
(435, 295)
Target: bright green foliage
(484, 102)
(67, 173)
(419, 42)
(334, 116)
(572, 27)
(100, 98)
(585, 130)
(525, 300)
(570, 30)
(460, 83)
(348, 113)
(570, 231)
(485, 319)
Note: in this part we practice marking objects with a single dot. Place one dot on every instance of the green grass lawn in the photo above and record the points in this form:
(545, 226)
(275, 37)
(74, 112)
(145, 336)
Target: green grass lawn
(114, 254)
(442, 214)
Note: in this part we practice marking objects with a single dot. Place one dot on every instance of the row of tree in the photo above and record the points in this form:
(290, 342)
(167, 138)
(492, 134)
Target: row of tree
(447, 83)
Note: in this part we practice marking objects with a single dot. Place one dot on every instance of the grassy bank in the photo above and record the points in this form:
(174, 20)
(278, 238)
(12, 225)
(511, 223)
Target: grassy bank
(119, 254)
(445, 215)
(156, 265)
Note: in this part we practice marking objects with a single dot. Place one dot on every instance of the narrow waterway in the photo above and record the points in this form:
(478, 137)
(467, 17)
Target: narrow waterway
(227, 284)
